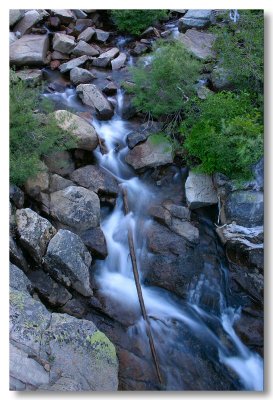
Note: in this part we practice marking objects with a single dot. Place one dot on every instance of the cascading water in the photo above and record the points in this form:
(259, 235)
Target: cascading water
(184, 332)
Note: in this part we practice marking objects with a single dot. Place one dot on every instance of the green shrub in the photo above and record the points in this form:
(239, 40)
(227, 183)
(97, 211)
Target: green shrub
(164, 87)
(227, 135)
(32, 133)
(136, 21)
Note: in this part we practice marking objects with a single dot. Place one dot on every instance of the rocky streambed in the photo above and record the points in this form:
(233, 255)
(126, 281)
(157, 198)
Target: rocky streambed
(75, 318)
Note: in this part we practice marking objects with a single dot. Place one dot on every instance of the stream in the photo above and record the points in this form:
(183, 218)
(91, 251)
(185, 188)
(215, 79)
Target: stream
(193, 337)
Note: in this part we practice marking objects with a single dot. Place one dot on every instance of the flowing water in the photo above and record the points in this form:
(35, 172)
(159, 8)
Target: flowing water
(190, 339)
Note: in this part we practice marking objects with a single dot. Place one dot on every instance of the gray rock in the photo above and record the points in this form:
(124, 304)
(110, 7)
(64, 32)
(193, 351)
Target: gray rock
(185, 229)
(49, 290)
(75, 62)
(87, 34)
(101, 35)
(37, 185)
(150, 154)
(118, 62)
(180, 212)
(18, 280)
(15, 16)
(16, 255)
(221, 79)
(80, 14)
(74, 307)
(203, 92)
(57, 182)
(84, 48)
(32, 77)
(30, 18)
(16, 195)
(199, 43)
(93, 97)
(65, 16)
(60, 162)
(84, 133)
(95, 241)
(111, 54)
(35, 232)
(68, 260)
(96, 179)
(105, 58)
(200, 191)
(258, 172)
(135, 138)
(57, 55)
(12, 38)
(195, 19)
(29, 50)
(76, 207)
(63, 43)
(246, 208)
(110, 89)
(81, 75)
(140, 48)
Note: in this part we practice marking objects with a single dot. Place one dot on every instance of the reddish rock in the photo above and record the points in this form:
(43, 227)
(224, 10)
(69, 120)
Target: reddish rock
(55, 64)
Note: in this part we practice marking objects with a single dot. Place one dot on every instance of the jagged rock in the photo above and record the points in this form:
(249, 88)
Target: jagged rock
(16, 255)
(57, 55)
(246, 208)
(140, 48)
(221, 79)
(29, 50)
(87, 34)
(32, 77)
(84, 48)
(49, 290)
(15, 16)
(60, 162)
(110, 89)
(29, 19)
(57, 182)
(85, 134)
(12, 38)
(18, 280)
(68, 260)
(199, 43)
(104, 59)
(93, 97)
(16, 195)
(119, 62)
(65, 16)
(95, 241)
(63, 43)
(200, 191)
(34, 231)
(96, 179)
(80, 14)
(81, 75)
(102, 36)
(75, 62)
(195, 19)
(75, 308)
(150, 154)
(76, 207)
(135, 138)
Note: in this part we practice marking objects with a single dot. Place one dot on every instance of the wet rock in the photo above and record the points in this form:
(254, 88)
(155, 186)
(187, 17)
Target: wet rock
(252, 283)
(16, 195)
(35, 232)
(110, 89)
(18, 280)
(29, 50)
(246, 208)
(185, 229)
(102, 36)
(57, 55)
(87, 34)
(63, 43)
(104, 59)
(128, 110)
(57, 182)
(150, 154)
(135, 138)
(200, 191)
(49, 290)
(118, 62)
(199, 43)
(84, 48)
(32, 77)
(95, 241)
(195, 19)
(16, 255)
(84, 133)
(75, 308)
(68, 260)
(93, 97)
(258, 172)
(96, 179)
(140, 48)
(76, 207)
(165, 34)
(60, 162)
(251, 331)
(75, 62)
(15, 16)
(65, 16)
(29, 19)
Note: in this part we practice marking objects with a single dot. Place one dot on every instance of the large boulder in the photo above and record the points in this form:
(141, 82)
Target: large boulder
(75, 62)
(104, 59)
(96, 179)
(63, 43)
(84, 133)
(65, 16)
(76, 207)
(68, 260)
(35, 232)
(198, 43)
(32, 77)
(101, 35)
(84, 48)
(60, 162)
(150, 154)
(29, 50)
(94, 98)
(200, 191)
(18, 280)
(118, 62)
(15, 16)
(245, 207)
(29, 19)
(195, 19)
(87, 34)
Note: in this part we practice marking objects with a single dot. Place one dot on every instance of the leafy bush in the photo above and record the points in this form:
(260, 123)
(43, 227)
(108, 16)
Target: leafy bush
(32, 134)
(240, 48)
(227, 135)
(136, 21)
(165, 86)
